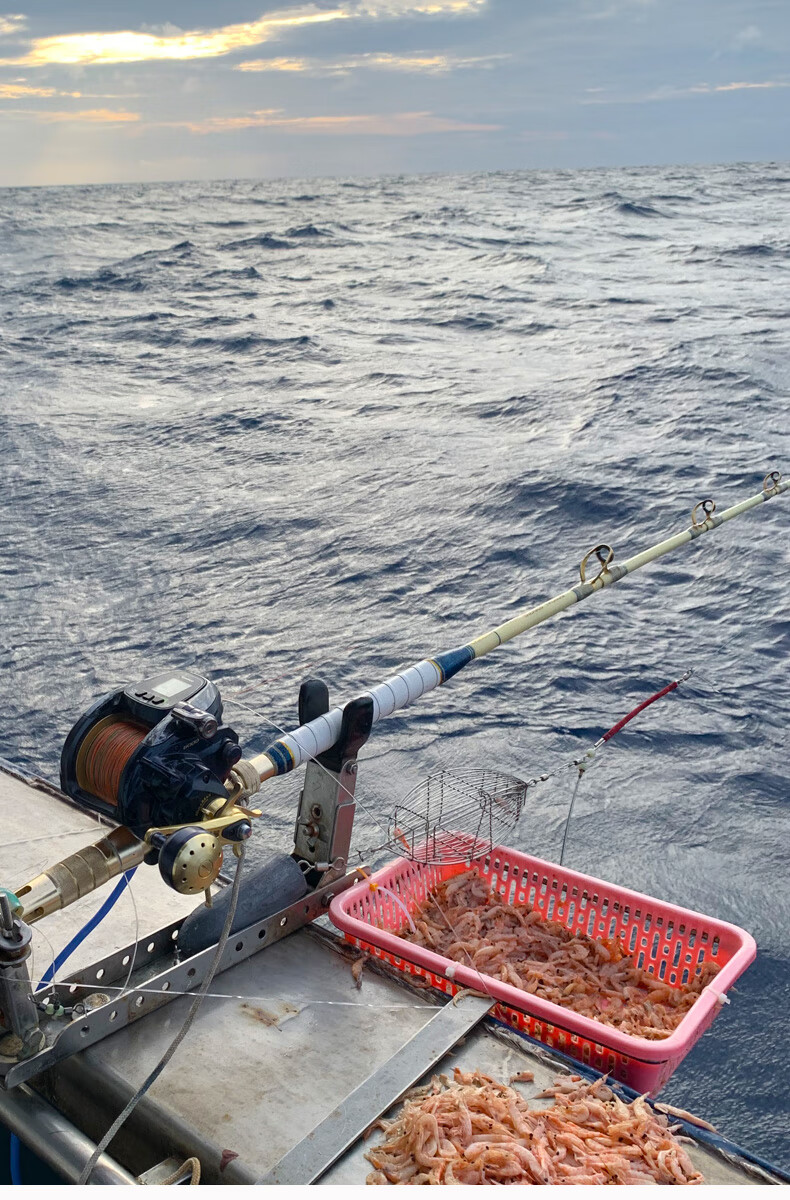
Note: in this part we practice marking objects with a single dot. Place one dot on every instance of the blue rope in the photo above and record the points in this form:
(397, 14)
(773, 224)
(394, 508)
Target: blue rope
(49, 975)
(87, 928)
(16, 1166)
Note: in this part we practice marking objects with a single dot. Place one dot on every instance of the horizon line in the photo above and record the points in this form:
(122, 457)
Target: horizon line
(4, 187)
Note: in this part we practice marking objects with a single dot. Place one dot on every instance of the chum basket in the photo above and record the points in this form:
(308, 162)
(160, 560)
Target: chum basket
(667, 941)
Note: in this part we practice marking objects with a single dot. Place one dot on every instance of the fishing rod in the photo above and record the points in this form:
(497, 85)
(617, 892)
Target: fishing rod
(156, 759)
(316, 736)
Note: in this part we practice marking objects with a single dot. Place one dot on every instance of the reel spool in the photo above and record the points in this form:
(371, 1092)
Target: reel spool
(151, 754)
(103, 755)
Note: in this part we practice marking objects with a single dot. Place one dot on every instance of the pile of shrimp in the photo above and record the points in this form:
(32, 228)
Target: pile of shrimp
(476, 1130)
(465, 921)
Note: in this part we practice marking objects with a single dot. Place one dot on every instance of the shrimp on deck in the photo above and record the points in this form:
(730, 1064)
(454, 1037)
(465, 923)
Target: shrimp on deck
(475, 1130)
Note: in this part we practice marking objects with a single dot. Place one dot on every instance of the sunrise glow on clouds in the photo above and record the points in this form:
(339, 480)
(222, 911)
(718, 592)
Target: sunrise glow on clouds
(13, 91)
(92, 49)
(93, 116)
(432, 63)
(127, 46)
(377, 124)
(445, 84)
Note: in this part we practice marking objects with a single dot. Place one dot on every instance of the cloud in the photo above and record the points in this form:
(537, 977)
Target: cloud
(591, 10)
(275, 64)
(168, 42)
(126, 46)
(12, 91)
(707, 89)
(379, 124)
(428, 8)
(94, 116)
(11, 23)
(431, 64)
(750, 36)
(680, 93)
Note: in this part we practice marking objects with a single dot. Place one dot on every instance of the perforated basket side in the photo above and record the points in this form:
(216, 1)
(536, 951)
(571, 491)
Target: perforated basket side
(666, 940)
(670, 942)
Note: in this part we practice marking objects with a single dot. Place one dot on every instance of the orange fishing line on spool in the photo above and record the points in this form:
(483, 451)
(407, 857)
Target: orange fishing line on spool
(104, 754)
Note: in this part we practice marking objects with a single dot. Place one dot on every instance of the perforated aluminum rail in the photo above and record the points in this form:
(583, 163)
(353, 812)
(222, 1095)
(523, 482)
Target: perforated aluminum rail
(150, 987)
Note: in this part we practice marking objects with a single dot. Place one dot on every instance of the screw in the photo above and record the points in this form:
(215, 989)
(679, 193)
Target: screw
(8, 916)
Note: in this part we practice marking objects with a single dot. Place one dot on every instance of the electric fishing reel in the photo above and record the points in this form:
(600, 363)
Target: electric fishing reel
(156, 758)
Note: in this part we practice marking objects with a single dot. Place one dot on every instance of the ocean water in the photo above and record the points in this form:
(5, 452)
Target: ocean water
(272, 429)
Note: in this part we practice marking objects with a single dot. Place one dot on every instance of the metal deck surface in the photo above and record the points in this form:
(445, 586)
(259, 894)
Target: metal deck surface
(42, 826)
(280, 1041)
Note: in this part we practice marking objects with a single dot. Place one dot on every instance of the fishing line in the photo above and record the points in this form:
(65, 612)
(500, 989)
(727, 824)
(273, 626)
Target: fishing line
(310, 1002)
(184, 1030)
(378, 823)
(585, 762)
(289, 674)
(134, 940)
(570, 814)
(46, 837)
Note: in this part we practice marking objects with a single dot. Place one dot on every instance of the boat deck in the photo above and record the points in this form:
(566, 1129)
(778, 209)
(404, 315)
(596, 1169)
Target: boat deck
(279, 1048)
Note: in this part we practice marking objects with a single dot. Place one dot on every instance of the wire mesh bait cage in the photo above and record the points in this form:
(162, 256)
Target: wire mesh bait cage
(454, 816)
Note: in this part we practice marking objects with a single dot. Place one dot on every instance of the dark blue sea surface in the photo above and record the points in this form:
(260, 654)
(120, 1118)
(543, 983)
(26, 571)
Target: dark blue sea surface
(268, 430)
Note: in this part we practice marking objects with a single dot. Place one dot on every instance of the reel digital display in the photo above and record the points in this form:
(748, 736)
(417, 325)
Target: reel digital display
(151, 753)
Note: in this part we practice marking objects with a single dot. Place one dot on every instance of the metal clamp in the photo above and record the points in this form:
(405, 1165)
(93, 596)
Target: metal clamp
(604, 554)
(708, 507)
(20, 1036)
(326, 805)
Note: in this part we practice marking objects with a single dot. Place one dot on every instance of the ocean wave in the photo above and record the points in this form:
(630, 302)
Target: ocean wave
(756, 250)
(104, 280)
(307, 231)
(261, 241)
(175, 253)
(338, 448)
(244, 343)
(630, 208)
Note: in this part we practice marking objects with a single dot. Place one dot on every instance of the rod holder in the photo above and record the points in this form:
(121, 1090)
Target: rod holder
(326, 805)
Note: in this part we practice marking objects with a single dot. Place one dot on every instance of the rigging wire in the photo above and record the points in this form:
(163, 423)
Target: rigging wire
(310, 1002)
(15, 1149)
(203, 991)
(183, 1031)
(483, 986)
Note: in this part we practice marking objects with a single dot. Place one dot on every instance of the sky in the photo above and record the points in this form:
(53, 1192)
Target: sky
(96, 91)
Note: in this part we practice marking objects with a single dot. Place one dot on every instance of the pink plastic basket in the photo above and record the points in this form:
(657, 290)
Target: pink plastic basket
(668, 941)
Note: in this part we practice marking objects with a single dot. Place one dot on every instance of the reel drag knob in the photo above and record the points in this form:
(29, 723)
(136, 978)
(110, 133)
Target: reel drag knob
(190, 860)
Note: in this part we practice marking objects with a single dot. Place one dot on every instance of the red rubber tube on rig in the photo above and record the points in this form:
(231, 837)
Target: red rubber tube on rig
(639, 708)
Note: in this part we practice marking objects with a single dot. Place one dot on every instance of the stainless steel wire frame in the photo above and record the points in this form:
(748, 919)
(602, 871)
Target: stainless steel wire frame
(453, 815)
